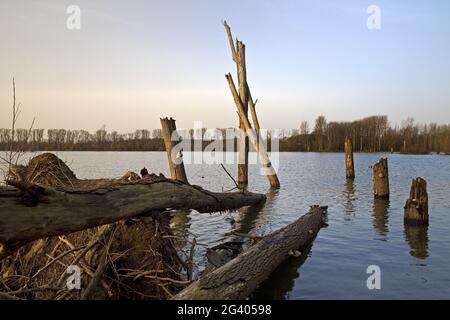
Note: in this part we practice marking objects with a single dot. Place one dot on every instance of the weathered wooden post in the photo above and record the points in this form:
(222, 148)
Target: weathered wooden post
(349, 166)
(381, 179)
(176, 165)
(416, 207)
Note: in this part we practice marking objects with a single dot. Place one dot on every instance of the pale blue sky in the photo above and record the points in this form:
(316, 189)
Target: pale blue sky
(134, 61)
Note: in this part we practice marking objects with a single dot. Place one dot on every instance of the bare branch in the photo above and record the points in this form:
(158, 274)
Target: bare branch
(230, 40)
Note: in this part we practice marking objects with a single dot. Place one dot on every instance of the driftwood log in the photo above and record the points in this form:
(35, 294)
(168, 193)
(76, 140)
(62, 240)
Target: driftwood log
(38, 211)
(238, 278)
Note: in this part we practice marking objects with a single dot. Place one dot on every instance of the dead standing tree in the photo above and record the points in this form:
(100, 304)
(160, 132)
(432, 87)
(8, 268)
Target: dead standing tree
(238, 55)
(176, 165)
(349, 166)
(244, 101)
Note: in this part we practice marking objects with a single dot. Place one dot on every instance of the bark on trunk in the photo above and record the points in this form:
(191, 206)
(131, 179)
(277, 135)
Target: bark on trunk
(176, 165)
(252, 107)
(381, 179)
(56, 211)
(238, 278)
(416, 207)
(243, 94)
(349, 166)
(238, 55)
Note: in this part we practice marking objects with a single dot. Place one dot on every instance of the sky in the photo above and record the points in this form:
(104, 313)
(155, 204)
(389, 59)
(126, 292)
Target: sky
(132, 62)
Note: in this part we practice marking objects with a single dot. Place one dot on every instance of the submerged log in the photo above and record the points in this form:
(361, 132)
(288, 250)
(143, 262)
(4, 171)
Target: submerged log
(381, 179)
(416, 207)
(36, 211)
(349, 166)
(238, 278)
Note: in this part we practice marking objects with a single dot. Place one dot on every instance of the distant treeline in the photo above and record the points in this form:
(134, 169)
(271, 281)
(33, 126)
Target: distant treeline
(372, 134)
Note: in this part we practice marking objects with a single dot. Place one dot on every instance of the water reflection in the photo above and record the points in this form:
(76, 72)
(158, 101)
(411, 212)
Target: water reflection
(180, 226)
(282, 280)
(349, 198)
(417, 238)
(380, 216)
(252, 218)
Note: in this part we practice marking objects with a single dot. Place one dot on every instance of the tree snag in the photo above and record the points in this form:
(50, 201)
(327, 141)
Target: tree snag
(349, 166)
(416, 207)
(381, 179)
(238, 55)
(238, 278)
(259, 146)
(176, 165)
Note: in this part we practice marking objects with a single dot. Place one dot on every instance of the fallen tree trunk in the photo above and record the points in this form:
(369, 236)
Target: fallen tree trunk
(238, 278)
(38, 211)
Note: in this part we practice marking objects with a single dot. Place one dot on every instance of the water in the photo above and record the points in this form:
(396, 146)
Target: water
(413, 260)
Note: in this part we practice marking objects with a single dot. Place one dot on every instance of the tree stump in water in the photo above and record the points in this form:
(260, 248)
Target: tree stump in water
(381, 179)
(417, 238)
(416, 207)
(349, 166)
(176, 165)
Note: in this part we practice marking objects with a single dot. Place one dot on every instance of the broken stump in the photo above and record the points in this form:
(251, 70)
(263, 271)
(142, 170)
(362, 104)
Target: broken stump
(381, 179)
(416, 207)
(349, 166)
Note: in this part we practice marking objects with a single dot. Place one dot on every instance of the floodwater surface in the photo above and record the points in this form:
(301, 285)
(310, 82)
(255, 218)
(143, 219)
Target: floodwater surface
(414, 260)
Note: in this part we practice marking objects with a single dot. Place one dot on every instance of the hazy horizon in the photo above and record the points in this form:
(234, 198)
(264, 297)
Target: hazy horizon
(132, 63)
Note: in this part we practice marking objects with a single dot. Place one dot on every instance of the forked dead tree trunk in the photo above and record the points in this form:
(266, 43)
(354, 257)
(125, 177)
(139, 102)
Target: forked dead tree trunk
(238, 55)
(239, 277)
(176, 165)
(257, 143)
(349, 166)
(244, 102)
(381, 179)
(416, 207)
